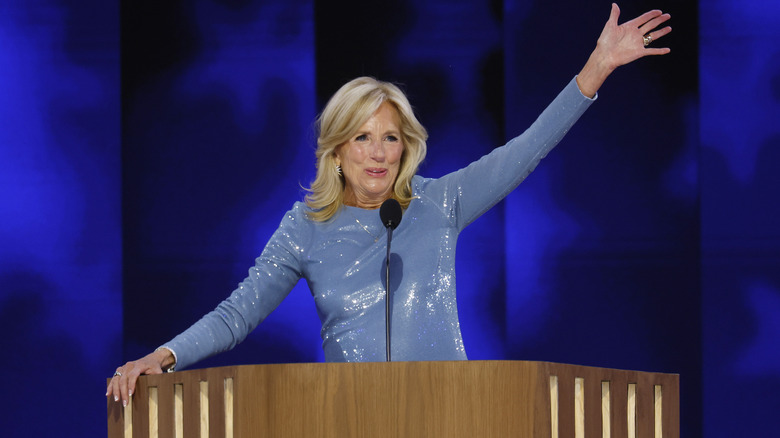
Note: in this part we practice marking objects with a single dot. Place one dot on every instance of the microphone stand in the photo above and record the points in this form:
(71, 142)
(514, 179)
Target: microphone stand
(390, 214)
(387, 294)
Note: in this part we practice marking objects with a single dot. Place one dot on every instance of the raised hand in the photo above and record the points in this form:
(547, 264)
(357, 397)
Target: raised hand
(621, 44)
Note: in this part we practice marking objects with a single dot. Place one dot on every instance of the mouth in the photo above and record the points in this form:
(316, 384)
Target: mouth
(376, 172)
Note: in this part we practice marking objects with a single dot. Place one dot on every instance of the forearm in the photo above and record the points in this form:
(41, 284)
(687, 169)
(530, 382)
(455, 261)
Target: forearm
(216, 332)
(486, 181)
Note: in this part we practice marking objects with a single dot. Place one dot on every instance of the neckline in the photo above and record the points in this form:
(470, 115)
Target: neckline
(353, 208)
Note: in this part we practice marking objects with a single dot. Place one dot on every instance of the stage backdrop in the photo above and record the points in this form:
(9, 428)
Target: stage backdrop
(60, 220)
(142, 171)
(740, 215)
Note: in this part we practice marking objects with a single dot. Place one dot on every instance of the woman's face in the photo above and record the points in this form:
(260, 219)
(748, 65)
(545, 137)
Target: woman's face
(370, 159)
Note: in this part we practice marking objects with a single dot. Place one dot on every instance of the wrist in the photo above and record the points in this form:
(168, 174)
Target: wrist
(594, 73)
(167, 358)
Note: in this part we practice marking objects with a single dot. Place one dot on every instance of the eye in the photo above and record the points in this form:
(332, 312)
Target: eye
(361, 137)
(391, 138)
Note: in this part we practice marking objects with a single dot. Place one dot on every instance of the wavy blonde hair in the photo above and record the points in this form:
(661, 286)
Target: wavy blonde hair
(352, 105)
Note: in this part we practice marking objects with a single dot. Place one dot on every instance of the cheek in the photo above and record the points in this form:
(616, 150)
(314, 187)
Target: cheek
(396, 154)
(350, 154)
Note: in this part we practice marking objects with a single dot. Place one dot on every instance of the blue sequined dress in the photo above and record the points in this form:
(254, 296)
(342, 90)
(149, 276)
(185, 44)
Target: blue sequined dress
(343, 261)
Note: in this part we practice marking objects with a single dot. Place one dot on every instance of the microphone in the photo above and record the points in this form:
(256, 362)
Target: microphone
(390, 213)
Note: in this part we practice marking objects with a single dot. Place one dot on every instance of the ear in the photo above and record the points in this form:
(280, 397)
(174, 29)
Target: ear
(337, 156)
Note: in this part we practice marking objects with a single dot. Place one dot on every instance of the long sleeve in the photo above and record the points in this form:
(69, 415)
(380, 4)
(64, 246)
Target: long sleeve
(471, 191)
(270, 280)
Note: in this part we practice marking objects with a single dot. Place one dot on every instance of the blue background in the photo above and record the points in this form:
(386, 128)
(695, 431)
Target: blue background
(149, 149)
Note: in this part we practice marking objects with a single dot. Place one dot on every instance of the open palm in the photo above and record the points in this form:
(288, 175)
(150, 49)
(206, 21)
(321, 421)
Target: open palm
(624, 43)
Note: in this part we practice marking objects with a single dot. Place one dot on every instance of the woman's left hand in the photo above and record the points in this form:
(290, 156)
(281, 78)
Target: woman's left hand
(621, 44)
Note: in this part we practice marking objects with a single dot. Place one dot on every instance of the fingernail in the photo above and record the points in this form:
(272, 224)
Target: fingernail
(124, 403)
(116, 398)
(130, 393)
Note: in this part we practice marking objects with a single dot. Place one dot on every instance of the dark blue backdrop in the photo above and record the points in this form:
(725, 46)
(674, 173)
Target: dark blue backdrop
(142, 171)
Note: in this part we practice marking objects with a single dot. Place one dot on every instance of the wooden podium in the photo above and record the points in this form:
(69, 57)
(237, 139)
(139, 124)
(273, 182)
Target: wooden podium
(401, 399)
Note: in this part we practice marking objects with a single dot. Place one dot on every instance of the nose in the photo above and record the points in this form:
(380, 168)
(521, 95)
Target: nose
(377, 151)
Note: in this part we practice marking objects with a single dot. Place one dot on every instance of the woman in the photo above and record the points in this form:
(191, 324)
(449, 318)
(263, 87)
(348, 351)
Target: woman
(369, 147)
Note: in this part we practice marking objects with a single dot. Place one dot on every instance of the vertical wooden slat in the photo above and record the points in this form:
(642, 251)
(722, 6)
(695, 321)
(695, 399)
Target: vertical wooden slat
(606, 411)
(540, 392)
(115, 418)
(618, 404)
(178, 410)
(644, 405)
(165, 408)
(136, 416)
(128, 415)
(554, 406)
(203, 405)
(191, 403)
(140, 402)
(153, 413)
(671, 407)
(566, 402)
(579, 407)
(658, 398)
(631, 410)
(228, 407)
(216, 405)
(593, 421)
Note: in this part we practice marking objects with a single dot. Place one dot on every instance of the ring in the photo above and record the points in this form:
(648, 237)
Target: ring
(117, 373)
(647, 39)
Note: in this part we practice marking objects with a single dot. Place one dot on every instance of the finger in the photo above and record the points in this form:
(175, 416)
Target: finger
(644, 18)
(115, 391)
(655, 22)
(123, 390)
(657, 34)
(127, 372)
(614, 14)
(110, 389)
(113, 387)
(659, 51)
(132, 379)
(651, 37)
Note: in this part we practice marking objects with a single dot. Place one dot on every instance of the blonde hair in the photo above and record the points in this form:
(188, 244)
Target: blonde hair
(352, 105)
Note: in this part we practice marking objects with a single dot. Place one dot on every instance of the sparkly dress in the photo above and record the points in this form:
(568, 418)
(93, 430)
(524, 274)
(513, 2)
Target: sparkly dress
(343, 261)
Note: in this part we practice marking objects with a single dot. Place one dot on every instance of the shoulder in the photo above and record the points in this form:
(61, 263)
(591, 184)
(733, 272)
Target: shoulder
(421, 184)
(430, 196)
(435, 189)
(298, 211)
(296, 221)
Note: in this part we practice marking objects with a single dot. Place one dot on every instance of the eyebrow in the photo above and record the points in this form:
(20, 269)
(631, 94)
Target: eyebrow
(394, 132)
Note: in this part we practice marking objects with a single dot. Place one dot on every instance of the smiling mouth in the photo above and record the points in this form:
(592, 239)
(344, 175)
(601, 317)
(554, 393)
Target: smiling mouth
(376, 172)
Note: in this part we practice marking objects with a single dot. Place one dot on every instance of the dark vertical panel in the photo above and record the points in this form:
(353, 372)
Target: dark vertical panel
(740, 135)
(218, 105)
(60, 247)
(447, 56)
(602, 244)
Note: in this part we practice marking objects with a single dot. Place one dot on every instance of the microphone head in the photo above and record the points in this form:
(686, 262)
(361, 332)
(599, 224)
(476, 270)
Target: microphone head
(390, 213)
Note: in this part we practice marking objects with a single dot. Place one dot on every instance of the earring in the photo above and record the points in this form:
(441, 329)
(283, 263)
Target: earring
(338, 170)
